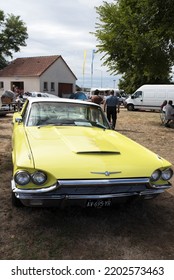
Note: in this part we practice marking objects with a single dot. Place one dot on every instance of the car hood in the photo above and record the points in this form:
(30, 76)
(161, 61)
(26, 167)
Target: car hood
(83, 152)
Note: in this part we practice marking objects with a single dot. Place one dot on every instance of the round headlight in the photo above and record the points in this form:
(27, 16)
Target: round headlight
(39, 178)
(167, 174)
(155, 175)
(22, 178)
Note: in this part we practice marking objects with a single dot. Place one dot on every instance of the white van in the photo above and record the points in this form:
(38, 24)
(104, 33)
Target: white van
(150, 97)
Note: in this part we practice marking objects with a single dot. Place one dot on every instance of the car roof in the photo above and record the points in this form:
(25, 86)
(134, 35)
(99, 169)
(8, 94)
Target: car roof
(60, 100)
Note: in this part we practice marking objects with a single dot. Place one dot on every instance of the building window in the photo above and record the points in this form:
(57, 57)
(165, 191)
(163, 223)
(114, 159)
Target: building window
(1, 85)
(52, 86)
(45, 86)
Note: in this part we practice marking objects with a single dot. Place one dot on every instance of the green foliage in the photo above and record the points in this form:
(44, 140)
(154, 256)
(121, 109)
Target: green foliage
(13, 34)
(3, 62)
(137, 39)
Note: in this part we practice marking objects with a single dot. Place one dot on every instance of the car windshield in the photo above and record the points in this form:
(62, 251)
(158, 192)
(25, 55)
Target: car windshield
(69, 114)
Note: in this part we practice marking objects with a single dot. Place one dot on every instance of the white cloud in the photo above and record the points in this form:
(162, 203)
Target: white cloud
(61, 27)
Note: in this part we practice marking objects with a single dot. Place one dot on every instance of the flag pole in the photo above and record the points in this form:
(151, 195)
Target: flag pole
(92, 66)
(84, 63)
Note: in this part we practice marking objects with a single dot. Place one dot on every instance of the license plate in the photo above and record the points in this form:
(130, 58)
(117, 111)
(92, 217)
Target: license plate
(99, 203)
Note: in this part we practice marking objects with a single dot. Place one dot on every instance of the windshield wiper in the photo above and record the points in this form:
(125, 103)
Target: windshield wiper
(46, 124)
(99, 125)
(57, 124)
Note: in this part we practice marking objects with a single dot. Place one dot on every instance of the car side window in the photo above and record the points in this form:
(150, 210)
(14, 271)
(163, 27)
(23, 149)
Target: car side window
(24, 111)
(34, 115)
(138, 94)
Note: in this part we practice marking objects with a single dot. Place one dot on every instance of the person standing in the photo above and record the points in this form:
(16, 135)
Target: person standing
(96, 98)
(163, 106)
(169, 113)
(111, 107)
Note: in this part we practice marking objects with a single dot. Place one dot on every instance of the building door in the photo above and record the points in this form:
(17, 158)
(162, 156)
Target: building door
(65, 90)
(17, 87)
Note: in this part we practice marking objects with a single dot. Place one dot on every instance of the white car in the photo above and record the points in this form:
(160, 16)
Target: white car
(38, 94)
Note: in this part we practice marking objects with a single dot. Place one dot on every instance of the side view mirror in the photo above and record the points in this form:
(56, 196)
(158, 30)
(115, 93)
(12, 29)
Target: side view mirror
(18, 120)
(132, 97)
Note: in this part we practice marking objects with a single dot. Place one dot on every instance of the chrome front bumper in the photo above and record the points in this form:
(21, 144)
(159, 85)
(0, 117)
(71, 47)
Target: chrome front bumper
(82, 190)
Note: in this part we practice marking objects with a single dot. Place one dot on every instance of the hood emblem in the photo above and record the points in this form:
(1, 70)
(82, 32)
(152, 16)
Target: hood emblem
(106, 173)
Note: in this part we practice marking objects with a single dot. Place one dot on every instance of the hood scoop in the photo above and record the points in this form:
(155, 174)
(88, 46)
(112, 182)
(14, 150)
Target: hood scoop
(91, 143)
(99, 152)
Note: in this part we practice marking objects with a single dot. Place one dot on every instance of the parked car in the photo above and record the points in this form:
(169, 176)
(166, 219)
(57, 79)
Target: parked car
(7, 102)
(122, 98)
(65, 153)
(37, 94)
(79, 95)
(5, 109)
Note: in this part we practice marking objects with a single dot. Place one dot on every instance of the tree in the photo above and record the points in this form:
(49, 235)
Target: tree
(13, 34)
(137, 39)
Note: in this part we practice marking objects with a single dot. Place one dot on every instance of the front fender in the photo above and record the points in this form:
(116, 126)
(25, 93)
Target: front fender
(21, 152)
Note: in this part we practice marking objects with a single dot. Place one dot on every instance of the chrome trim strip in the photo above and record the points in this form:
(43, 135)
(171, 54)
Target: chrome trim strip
(158, 187)
(106, 173)
(76, 183)
(100, 196)
(74, 197)
(43, 190)
(102, 182)
(81, 197)
(150, 191)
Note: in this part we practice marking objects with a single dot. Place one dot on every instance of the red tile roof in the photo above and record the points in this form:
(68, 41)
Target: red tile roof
(29, 66)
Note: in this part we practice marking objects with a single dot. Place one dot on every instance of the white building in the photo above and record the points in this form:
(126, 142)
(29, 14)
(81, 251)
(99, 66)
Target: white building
(48, 74)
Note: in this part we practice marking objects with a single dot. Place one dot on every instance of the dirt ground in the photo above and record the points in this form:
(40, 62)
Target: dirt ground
(142, 230)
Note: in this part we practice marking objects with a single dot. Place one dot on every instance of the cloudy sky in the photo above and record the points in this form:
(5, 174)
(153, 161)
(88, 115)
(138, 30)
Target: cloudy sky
(63, 28)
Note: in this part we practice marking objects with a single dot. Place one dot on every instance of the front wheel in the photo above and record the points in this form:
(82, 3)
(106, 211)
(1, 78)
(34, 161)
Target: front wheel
(130, 107)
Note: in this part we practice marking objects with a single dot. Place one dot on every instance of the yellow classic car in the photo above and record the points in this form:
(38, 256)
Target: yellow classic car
(65, 152)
